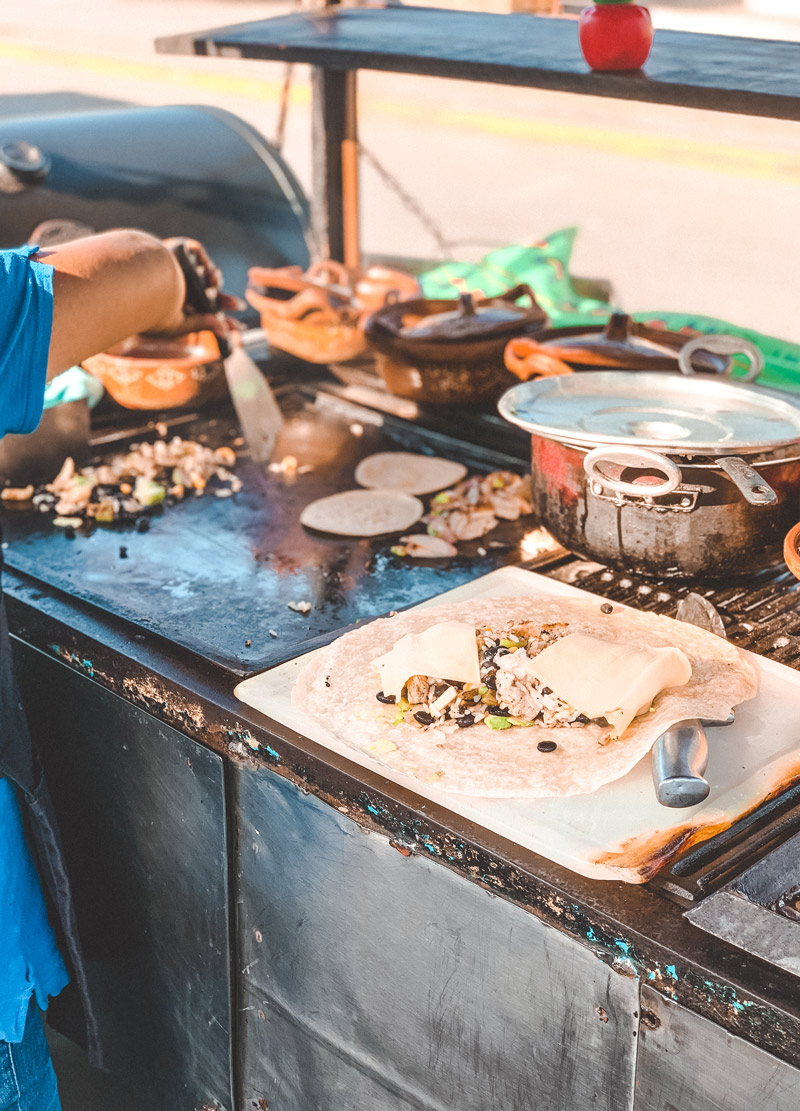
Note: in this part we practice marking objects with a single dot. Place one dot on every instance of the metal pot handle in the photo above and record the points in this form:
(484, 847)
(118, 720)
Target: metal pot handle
(634, 457)
(753, 486)
(723, 345)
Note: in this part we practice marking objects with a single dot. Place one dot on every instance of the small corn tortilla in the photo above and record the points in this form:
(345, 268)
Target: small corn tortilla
(407, 471)
(481, 763)
(363, 513)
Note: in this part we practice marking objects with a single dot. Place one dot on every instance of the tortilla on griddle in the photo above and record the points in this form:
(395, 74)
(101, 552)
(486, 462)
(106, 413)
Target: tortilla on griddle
(363, 513)
(338, 687)
(405, 470)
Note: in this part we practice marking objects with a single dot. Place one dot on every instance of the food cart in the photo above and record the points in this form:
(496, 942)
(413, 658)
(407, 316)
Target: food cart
(272, 923)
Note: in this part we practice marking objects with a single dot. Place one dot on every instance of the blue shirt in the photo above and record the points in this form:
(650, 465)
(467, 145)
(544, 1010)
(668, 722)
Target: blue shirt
(29, 960)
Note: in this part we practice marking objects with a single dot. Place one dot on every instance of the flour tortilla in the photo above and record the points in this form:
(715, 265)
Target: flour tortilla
(404, 470)
(363, 513)
(482, 763)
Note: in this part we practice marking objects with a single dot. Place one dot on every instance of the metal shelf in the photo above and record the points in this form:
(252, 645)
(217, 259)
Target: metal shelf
(750, 76)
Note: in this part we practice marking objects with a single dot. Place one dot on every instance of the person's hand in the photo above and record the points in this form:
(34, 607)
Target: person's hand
(190, 317)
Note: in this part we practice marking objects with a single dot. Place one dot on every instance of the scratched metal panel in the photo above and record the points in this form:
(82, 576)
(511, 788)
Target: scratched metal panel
(376, 980)
(688, 1063)
(142, 812)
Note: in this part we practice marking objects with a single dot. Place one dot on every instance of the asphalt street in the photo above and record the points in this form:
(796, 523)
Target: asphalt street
(682, 210)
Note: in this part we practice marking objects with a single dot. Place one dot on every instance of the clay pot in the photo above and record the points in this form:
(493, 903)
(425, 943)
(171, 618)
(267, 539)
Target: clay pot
(147, 372)
(621, 344)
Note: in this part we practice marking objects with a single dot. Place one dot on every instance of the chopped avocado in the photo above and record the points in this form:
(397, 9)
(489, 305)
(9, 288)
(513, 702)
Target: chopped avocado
(495, 722)
(403, 704)
(482, 690)
(148, 492)
(443, 498)
(398, 550)
(398, 717)
(512, 645)
(521, 721)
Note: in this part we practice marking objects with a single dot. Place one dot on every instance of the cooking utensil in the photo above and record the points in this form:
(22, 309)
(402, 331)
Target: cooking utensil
(256, 408)
(662, 474)
(622, 343)
(446, 352)
(680, 756)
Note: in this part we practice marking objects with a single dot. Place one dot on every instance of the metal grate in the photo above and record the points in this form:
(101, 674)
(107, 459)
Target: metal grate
(761, 614)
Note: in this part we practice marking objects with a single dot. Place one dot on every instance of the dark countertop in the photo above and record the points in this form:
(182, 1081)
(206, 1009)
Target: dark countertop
(635, 929)
(750, 76)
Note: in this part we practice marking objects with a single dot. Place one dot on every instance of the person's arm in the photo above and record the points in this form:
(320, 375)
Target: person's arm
(111, 286)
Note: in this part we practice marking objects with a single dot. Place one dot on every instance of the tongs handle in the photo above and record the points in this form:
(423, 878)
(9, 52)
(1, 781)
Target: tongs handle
(197, 294)
(680, 758)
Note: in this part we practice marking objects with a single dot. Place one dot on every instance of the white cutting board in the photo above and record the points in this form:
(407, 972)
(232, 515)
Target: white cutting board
(620, 832)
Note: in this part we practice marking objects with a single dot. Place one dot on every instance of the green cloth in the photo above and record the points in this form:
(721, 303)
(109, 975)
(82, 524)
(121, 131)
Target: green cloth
(544, 266)
(73, 385)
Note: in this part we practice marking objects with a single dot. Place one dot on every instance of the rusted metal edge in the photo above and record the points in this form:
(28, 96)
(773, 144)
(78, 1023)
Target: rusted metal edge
(750, 1000)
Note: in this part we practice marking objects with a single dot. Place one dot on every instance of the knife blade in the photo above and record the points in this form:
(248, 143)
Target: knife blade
(680, 755)
(255, 404)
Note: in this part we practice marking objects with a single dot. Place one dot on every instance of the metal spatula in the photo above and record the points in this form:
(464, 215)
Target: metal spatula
(253, 399)
(255, 404)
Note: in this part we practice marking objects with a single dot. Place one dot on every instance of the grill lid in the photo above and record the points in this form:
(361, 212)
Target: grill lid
(671, 413)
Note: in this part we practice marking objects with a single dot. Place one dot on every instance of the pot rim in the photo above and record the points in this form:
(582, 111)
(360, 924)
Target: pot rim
(647, 381)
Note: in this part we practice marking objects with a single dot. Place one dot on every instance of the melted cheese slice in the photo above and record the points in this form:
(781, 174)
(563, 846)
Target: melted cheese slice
(448, 650)
(601, 678)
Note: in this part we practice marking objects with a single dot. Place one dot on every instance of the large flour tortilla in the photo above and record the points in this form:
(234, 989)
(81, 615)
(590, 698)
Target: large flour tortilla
(507, 764)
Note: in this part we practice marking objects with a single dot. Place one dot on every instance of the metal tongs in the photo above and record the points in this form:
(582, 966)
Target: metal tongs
(680, 756)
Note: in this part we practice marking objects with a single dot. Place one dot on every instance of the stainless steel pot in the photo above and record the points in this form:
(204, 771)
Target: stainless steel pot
(662, 475)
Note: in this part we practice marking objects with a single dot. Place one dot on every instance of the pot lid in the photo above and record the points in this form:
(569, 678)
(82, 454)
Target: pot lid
(617, 344)
(473, 321)
(672, 413)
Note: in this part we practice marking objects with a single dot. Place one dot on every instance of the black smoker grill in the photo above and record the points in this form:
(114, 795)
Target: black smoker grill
(194, 171)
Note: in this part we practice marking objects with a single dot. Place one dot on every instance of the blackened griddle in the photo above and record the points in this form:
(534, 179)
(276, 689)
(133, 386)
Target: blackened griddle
(213, 573)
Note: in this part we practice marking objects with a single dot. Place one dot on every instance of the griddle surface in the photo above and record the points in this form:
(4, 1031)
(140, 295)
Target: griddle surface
(212, 573)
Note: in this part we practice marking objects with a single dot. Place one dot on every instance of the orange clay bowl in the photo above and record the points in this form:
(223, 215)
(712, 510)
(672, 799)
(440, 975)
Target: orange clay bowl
(148, 372)
(791, 550)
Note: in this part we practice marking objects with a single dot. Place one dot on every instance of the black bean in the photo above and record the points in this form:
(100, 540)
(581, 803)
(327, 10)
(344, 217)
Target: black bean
(546, 690)
(423, 718)
(547, 746)
(439, 688)
(501, 711)
(69, 532)
(381, 697)
(491, 682)
(143, 524)
(123, 552)
(465, 720)
(606, 608)
(582, 718)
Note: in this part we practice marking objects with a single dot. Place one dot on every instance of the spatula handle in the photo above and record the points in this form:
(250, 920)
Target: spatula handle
(680, 758)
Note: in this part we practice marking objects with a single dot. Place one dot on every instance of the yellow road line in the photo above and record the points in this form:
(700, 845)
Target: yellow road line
(692, 153)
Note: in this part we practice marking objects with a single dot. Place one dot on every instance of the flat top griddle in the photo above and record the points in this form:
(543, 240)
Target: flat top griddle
(213, 573)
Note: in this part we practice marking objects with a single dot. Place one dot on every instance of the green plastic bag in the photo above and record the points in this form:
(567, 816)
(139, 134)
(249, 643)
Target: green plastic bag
(544, 266)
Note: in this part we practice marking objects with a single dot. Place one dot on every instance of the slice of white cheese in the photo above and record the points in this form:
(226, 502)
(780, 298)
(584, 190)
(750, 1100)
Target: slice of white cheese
(448, 650)
(602, 678)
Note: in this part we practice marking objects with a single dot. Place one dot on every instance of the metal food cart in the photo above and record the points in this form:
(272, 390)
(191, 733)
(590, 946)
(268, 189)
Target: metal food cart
(271, 925)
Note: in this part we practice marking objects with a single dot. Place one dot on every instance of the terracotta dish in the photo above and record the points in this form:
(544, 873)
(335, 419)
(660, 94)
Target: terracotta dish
(319, 315)
(146, 372)
(622, 344)
(791, 550)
